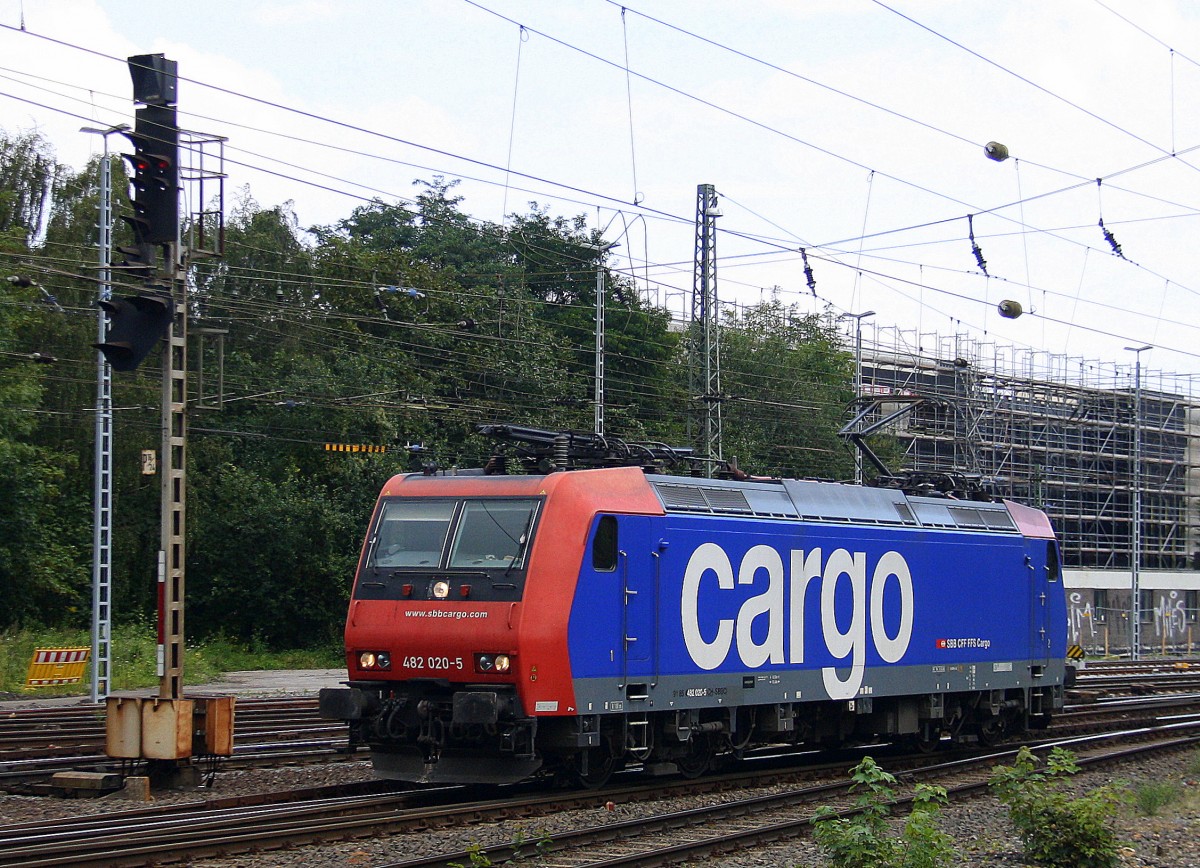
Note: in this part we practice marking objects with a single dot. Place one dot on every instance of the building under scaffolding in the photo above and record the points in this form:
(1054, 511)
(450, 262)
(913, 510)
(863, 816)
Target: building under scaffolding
(1059, 432)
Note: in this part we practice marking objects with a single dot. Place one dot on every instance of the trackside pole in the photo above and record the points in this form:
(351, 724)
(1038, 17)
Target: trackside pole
(167, 729)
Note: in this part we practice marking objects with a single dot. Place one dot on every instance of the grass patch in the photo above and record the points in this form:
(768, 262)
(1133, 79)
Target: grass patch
(1149, 798)
(134, 652)
(1192, 769)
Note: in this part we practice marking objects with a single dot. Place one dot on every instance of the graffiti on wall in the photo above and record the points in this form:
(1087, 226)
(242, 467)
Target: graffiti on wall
(1081, 618)
(1170, 616)
(1167, 618)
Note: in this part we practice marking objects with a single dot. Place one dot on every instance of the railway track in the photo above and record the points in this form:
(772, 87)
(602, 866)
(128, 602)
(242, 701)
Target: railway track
(55, 731)
(35, 743)
(230, 827)
(703, 833)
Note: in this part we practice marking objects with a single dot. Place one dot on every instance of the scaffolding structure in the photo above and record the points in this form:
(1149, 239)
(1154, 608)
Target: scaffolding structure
(1054, 431)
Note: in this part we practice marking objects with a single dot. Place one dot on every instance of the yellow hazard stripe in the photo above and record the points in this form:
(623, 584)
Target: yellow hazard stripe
(56, 666)
(355, 447)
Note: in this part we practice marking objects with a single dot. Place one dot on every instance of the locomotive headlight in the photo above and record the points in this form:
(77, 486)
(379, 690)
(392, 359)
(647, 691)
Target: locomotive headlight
(374, 660)
(441, 590)
(495, 663)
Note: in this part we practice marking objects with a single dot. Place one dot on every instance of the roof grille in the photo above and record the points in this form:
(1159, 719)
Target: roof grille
(683, 497)
(965, 516)
(726, 500)
(694, 498)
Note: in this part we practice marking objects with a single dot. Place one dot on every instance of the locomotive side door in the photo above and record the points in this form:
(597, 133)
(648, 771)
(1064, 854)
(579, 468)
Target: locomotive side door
(637, 573)
(1044, 576)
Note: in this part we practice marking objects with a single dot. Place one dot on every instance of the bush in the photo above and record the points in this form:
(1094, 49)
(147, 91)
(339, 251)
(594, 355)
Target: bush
(1056, 829)
(864, 840)
(1148, 798)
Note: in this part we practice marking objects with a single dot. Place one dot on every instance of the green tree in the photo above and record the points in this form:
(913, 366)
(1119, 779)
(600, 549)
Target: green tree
(41, 576)
(786, 381)
(29, 178)
(404, 324)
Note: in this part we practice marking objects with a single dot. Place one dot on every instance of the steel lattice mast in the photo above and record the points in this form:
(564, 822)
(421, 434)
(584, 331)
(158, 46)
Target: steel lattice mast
(704, 365)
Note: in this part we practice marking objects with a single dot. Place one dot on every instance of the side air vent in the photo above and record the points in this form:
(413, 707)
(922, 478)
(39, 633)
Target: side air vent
(687, 497)
(694, 498)
(966, 517)
(727, 500)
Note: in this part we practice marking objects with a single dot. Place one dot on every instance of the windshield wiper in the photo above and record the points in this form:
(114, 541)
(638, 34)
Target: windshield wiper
(522, 544)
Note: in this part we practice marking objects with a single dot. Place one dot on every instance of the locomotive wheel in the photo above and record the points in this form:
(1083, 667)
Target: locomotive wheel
(697, 760)
(924, 744)
(992, 731)
(600, 765)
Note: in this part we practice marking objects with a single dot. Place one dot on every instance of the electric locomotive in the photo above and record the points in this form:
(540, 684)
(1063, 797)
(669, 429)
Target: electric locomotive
(533, 619)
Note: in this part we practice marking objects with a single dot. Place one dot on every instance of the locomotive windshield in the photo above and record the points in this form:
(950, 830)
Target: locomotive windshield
(492, 533)
(412, 533)
(473, 533)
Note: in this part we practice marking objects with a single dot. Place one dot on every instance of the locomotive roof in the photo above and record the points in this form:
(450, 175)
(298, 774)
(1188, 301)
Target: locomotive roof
(828, 502)
(629, 489)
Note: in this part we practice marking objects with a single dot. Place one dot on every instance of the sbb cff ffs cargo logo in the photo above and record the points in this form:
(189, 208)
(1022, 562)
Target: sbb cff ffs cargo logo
(784, 640)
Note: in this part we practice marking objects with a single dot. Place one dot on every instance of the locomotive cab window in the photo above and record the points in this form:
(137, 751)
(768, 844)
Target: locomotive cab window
(412, 533)
(493, 533)
(1052, 569)
(604, 545)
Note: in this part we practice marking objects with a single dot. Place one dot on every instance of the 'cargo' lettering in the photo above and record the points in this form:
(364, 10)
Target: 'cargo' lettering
(850, 643)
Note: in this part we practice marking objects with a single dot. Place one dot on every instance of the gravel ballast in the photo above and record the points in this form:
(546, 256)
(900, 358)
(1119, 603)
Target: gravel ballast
(978, 826)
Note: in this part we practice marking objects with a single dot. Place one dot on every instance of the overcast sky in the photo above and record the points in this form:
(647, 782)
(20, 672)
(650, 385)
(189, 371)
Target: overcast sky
(851, 128)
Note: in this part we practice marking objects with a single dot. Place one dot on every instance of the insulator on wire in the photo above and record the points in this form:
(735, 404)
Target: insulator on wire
(1112, 241)
(996, 151)
(808, 272)
(975, 247)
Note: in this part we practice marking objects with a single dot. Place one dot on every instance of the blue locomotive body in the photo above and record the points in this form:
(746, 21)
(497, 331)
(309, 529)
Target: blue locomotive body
(821, 611)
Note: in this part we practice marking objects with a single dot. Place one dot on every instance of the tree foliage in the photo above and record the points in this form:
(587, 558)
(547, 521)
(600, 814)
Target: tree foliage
(786, 384)
(402, 325)
(29, 178)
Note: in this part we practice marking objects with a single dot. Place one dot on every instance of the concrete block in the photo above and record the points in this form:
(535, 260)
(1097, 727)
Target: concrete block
(136, 789)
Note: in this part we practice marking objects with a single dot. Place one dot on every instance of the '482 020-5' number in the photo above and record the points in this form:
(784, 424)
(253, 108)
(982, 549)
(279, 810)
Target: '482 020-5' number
(418, 662)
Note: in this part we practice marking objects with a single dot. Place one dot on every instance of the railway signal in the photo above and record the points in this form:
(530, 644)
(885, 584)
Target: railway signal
(155, 178)
(168, 728)
(135, 325)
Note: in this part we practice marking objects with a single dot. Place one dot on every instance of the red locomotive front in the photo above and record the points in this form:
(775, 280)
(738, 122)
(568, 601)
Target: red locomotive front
(456, 633)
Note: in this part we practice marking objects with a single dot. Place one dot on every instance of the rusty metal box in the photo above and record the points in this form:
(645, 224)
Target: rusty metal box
(123, 726)
(166, 728)
(213, 734)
